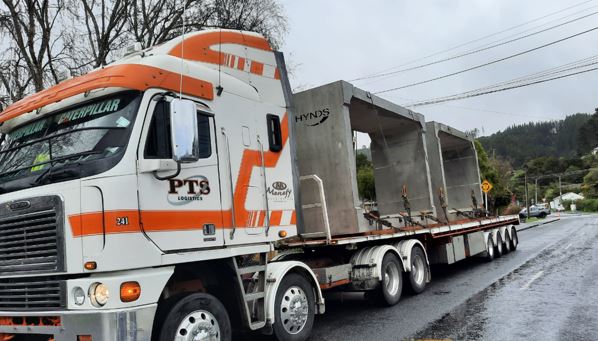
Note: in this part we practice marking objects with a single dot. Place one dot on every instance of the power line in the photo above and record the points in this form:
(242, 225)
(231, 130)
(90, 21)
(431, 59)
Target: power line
(460, 96)
(471, 52)
(538, 75)
(487, 36)
(488, 63)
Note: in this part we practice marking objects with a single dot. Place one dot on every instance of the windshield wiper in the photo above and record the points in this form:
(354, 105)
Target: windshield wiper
(49, 174)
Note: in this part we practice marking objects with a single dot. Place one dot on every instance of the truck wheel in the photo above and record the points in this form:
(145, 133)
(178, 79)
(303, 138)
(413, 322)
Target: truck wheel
(195, 317)
(294, 309)
(499, 249)
(419, 271)
(514, 239)
(389, 290)
(489, 249)
(507, 244)
(543, 215)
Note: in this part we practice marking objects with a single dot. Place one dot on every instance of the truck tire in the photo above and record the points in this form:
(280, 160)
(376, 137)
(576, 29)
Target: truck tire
(294, 309)
(489, 249)
(193, 316)
(514, 239)
(388, 292)
(543, 215)
(499, 245)
(507, 243)
(419, 271)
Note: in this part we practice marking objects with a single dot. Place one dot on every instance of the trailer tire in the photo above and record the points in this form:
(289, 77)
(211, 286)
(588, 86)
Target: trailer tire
(507, 243)
(388, 292)
(182, 314)
(420, 271)
(514, 239)
(499, 249)
(294, 309)
(489, 249)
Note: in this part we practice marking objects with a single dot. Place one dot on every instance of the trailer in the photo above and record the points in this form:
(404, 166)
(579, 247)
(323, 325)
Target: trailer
(184, 193)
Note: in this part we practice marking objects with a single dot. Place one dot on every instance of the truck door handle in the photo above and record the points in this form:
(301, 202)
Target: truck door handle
(209, 229)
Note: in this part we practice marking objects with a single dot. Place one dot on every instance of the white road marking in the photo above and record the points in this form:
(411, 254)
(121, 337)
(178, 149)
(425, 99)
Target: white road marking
(568, 246)
(535, 277)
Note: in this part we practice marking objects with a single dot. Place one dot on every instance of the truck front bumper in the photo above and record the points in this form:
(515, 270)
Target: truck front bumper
(117, 324)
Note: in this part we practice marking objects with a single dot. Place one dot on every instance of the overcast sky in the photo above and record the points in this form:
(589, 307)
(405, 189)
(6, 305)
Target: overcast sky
(330, 40)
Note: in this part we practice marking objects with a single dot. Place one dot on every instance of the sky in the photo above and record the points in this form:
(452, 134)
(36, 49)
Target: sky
(330, 40)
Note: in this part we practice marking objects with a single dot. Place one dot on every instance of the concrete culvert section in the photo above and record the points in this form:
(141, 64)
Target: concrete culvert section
(454, 169)
(325, 120)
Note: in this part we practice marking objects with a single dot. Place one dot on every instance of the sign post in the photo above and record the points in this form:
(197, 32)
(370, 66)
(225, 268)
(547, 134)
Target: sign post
(486, 187)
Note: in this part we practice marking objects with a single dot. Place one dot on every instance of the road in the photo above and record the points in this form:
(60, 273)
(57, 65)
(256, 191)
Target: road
(546, 290)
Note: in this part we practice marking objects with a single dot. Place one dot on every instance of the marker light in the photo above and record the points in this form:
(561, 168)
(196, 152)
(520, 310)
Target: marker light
(130, 291)
(99, 294)
(79, 295)
(90, 265)
(282, 233)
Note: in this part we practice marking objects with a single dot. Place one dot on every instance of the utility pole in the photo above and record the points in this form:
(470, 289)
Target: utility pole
(536, 188)
(560, 189)
(526, 197)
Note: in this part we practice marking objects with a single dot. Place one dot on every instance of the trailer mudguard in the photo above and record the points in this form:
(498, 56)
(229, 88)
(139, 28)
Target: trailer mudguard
(405, 247)
(367, 265)
(276, 272)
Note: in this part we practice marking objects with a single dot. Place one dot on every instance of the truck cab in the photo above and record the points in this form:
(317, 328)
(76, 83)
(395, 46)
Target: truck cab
(172, 155)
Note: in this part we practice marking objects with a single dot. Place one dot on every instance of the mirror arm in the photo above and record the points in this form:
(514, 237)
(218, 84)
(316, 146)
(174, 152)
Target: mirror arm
(178, 171)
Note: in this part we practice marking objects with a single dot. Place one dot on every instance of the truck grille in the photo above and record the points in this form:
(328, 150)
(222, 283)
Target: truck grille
(27, 293)
(31, 236)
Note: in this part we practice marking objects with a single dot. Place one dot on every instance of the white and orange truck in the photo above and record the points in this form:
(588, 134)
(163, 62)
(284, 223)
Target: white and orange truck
(184, 193)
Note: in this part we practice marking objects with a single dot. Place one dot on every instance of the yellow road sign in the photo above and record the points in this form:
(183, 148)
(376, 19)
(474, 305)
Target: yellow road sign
(486, 186)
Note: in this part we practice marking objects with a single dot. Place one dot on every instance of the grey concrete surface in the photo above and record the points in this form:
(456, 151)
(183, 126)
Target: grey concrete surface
(545, 290)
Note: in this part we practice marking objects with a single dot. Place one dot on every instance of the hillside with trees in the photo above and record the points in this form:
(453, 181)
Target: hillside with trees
(521, 143)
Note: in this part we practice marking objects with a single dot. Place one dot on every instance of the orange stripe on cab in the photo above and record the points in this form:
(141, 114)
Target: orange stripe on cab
(130, 76)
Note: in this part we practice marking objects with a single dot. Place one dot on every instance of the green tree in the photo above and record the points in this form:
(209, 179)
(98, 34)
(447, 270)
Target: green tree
(588, 135)
(497, 172)
(590, 184)
(365, 177)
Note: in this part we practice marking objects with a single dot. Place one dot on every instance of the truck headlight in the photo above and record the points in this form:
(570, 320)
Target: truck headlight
(79, 295)
(99, 294)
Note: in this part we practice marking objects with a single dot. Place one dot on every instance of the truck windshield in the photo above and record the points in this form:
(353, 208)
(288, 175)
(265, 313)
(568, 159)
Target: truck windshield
(81, 141)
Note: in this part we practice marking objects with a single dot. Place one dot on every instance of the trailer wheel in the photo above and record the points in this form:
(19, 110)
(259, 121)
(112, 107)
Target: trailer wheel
(489, 249)
(419, 271)
(294, 309)
(499, 249)
(514, 239)
(507, 243)
(389, 290)
(196, 316)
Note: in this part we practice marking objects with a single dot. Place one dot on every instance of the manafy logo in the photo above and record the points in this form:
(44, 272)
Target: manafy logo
(185, 191)
(313, 118)
(279, 191)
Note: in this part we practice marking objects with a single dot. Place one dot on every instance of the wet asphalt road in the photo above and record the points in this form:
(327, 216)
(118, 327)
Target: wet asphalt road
(546, 290)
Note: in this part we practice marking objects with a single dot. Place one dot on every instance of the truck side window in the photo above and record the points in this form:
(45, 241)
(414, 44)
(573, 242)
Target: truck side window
(205, 141)
(274, 133)
(159, 145)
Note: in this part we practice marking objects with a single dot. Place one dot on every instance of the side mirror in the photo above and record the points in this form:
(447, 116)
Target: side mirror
(184, 131)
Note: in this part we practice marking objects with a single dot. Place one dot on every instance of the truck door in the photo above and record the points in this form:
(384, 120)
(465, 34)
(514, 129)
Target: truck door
(179, 209)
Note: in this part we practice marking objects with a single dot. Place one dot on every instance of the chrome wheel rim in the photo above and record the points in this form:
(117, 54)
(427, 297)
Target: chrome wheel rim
(200, 325)
(391, 279)
(490, 248)
(294, 310)
(417, 269)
